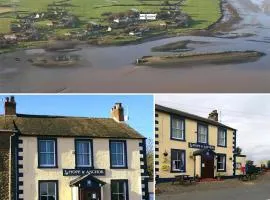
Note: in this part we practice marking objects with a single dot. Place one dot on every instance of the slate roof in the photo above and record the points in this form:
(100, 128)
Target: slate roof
(190, 116)
(63, 126)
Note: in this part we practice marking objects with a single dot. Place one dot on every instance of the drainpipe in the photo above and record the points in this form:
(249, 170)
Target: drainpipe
(194, 166)
(14, 166)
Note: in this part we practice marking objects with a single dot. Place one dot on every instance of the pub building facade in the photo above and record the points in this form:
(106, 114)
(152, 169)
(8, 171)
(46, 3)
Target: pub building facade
(187, 144)
(74, 158)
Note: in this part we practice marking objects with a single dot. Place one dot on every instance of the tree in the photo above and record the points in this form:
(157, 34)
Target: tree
(166, 3)
(238, 151)
(150, 157)
(268, 164)
(249, 162)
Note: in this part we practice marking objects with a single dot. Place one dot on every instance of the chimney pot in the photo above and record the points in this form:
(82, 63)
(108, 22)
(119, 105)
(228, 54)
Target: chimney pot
(117, 112)
(10, 106)
(213, 115)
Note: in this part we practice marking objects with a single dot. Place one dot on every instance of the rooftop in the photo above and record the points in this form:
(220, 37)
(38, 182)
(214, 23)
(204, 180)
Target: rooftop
(190, 116)
(64, 126)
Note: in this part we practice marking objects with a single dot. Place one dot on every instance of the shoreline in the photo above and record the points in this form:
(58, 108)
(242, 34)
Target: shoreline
(210, 31)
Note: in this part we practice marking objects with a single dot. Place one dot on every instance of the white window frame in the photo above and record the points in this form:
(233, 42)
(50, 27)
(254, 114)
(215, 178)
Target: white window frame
(181, 128)
(179, 158)
(89, 153)
(199, 134)
(54, 153)
(47, 187)
(223, 161)
(220, 132)
(123, 154)
(125, 190)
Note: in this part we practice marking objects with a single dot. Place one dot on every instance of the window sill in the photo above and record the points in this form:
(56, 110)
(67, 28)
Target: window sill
(221, 170)
(85, 167)
(173, 171)
(47, 167)
(181, 140)
(222, 146)
(124, 167)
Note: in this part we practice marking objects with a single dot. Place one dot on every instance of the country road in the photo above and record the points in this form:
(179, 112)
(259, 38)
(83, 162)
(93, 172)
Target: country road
(258, 190)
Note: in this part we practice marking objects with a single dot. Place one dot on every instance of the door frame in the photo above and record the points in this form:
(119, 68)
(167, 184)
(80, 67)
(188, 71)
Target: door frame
(81, 192)
(213, 166)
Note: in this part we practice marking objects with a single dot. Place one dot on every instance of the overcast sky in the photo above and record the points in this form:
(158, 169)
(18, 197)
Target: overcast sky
(248, 113)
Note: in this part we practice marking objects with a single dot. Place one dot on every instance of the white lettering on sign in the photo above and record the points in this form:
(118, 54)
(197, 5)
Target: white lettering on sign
(79, 172)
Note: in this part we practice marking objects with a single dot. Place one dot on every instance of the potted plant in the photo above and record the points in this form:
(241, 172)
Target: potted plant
(165, 153)
(197, 178)
(218, 176)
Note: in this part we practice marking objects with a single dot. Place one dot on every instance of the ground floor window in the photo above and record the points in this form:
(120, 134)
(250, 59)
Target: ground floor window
(221, 162)
(48, 190)
(178, 160)
(119, 190)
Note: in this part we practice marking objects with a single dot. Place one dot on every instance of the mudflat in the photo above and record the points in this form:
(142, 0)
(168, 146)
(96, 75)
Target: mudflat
(194, 59)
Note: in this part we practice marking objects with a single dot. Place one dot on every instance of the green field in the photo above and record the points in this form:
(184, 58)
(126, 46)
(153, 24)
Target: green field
(202, 12)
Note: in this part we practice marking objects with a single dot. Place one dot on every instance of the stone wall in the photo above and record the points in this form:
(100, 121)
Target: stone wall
(4, 166)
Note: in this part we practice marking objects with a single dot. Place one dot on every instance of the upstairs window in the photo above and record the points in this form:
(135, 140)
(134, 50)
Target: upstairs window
(202, 133)
(178, 128)
(178, 160)
(119, 190)
(47, 153)
(222, 137)
(83, 149)
(221, 162)
(118, 154)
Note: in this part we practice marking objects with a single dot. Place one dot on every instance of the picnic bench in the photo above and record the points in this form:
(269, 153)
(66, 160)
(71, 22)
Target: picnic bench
(183, 179)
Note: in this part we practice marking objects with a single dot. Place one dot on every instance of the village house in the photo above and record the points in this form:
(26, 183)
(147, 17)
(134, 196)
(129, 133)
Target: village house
(71, 158)
(188, 144)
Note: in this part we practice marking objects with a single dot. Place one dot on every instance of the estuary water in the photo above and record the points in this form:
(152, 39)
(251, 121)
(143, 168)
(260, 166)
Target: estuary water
(112, 69)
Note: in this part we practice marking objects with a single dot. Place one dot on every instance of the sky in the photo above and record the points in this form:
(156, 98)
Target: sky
(139, 108)
(248, 113)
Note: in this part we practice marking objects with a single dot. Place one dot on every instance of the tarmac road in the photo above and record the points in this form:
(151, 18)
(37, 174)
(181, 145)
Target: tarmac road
(249, 191)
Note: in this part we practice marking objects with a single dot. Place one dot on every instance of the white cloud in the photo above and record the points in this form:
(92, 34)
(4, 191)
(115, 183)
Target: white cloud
(248, 113)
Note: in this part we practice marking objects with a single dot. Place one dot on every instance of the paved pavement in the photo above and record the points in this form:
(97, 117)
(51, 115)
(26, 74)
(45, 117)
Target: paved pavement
(257, 190)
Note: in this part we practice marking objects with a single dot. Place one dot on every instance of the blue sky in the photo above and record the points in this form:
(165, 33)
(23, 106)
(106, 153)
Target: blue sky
(139, 107)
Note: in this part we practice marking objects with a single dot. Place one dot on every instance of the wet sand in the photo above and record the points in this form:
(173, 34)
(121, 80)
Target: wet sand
(111, 69)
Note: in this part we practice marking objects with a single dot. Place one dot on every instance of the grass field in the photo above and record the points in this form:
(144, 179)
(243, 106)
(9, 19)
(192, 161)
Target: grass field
(203, 12)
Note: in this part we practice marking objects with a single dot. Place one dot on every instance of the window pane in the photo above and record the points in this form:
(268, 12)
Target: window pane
(43, 188)
(122, 197)
(120, 147)
(44, 198)
(114, 159)
(42, 146)
(85, 147)
(50, 158)
(120, 159)
(43, 159)
(114, 187)
(121, 187)
(114, 197)
(113, 147)
(51, 189)
(51, 198)
(86, 159)
(50, 146)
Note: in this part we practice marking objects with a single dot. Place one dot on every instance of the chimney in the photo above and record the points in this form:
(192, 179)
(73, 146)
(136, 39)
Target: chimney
(213, 115)
(10, 106)
(117, 112)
